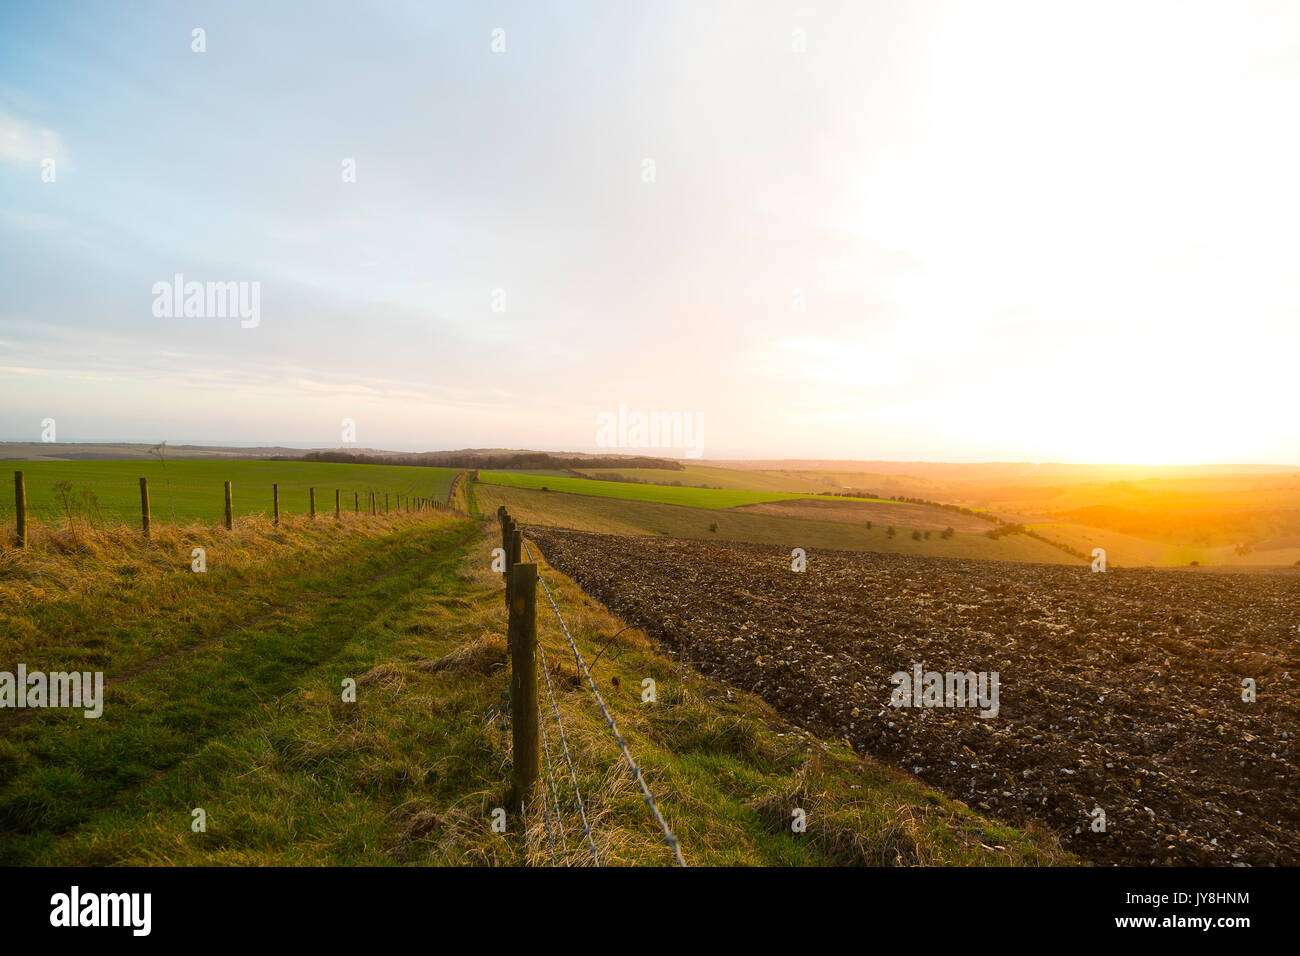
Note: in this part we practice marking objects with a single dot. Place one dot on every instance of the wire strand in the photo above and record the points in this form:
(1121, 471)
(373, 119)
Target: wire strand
(622, 745)
(555, 796)
(564, 744)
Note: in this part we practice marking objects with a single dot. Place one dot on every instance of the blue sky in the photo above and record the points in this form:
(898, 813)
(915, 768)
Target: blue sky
(1029, 231)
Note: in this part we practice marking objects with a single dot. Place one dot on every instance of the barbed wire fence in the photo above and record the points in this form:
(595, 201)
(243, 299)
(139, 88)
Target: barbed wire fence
(110, 501)
(512, 539)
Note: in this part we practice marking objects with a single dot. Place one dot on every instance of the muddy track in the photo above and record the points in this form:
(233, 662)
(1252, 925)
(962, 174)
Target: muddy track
(1119, 691)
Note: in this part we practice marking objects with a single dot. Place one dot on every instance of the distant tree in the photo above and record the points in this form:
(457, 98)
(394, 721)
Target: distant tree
(927, 536)
(869, 528)
(713, 526)
(889, 532)
(916, 536)
(947, 533)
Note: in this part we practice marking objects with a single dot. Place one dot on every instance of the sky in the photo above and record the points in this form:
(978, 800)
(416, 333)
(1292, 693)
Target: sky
(1040, 231)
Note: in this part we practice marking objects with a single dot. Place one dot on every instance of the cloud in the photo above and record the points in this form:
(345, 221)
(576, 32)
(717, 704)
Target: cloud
(25, 144)
(31, 221)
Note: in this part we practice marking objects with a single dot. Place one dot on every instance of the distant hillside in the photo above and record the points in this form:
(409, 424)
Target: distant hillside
(989, 470)
(98, 451)
(535, 461)
(459, 458)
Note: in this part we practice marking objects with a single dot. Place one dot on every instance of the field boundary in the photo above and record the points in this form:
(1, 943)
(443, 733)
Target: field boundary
(527, 725)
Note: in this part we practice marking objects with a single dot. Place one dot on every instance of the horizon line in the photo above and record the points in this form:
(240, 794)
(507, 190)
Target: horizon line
(650, 453)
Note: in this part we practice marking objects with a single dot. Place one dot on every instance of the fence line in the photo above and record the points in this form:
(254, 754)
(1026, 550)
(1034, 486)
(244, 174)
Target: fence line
(451, 492)
(546, 815)
(510, 533)
(564, 744)
(609, 719)
(74, 511)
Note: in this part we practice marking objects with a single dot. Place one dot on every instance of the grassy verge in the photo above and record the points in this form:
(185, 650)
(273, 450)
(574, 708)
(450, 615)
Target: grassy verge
(226, 695)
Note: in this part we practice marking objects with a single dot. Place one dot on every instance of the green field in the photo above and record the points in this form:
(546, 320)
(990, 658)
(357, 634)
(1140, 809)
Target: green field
(621, 516)
(195, 487)
(631, 491)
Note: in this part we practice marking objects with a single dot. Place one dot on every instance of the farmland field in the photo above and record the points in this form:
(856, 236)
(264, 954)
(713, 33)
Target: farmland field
(595, 513)
(1121, 691)
(222, 692)
(1142, 515)
(633, 491)
(195, 487)
(788, 482)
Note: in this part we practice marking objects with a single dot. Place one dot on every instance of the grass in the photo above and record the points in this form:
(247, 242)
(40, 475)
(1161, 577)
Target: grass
(733, 479)
(630, 491)
(197, 489)
(620, 516)
(1132, 551)
(226, 695)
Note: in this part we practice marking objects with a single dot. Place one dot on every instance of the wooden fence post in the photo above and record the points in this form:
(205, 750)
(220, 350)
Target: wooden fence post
(505, 546)
(20, 506)
(514, 555)
(385, 502)
(522, 640)
(356, 502)
(230, 518)
(275, 504)
(144, 506)
(373, 512)
(311, 501)
(338, 506)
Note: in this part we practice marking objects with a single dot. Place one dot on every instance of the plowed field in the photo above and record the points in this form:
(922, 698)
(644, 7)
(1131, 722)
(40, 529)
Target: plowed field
(1119, 691)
